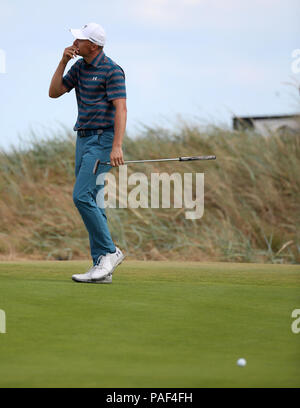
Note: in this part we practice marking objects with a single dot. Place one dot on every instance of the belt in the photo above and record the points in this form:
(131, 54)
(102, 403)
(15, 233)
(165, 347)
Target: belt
(89, 132)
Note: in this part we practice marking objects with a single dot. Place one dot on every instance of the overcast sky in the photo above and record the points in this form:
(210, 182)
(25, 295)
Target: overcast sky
(204, 60)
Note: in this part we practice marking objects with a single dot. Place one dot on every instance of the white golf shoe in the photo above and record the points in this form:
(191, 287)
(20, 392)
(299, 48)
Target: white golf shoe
(103, 270)
(87, 278)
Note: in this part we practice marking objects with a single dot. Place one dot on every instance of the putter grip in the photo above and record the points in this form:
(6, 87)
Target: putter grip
(197, 158)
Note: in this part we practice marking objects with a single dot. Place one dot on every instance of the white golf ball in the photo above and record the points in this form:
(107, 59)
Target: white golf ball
(241, 362)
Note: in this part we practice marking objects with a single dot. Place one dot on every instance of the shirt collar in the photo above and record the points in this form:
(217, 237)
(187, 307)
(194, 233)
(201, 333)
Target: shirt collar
(97, 61)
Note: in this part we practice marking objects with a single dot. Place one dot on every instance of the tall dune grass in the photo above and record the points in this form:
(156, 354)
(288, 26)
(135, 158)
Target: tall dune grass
(252, 199)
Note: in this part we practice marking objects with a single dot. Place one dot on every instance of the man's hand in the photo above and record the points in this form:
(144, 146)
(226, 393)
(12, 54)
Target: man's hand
(116, 156)
(69, 53)
(57, 88)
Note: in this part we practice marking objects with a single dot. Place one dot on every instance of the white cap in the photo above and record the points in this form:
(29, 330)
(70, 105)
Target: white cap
(91, 31)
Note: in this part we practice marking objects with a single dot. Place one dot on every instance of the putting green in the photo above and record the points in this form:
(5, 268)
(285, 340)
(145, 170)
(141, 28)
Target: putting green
(160, 324)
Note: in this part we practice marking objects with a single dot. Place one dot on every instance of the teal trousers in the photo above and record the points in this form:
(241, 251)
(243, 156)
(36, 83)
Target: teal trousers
(88, 150)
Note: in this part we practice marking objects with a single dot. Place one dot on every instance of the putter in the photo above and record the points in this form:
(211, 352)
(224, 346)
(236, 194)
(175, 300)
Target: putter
(189, 158)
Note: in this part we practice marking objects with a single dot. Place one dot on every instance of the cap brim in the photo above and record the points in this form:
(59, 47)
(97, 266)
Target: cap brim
(78, 34)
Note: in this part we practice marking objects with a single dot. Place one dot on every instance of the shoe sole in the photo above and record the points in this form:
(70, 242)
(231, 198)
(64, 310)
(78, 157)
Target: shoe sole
(103, 278)
(92, 281)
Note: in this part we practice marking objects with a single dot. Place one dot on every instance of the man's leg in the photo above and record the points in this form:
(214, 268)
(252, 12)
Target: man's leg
(85, 192)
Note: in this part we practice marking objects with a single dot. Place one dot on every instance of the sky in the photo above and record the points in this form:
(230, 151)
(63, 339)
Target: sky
(200, 61)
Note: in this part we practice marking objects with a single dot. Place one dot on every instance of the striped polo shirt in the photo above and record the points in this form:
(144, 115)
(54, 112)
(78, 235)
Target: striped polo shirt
(96, 85)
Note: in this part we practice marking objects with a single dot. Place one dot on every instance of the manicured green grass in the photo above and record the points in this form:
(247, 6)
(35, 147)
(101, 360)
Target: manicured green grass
(160, 324)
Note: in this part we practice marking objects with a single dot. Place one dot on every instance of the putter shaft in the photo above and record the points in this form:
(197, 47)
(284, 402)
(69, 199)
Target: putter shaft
(189, 158)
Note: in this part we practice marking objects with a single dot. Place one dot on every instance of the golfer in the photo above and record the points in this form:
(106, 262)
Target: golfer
(101, 97)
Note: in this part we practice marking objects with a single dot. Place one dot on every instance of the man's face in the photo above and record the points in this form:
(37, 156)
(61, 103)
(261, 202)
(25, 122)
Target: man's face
(84, 46)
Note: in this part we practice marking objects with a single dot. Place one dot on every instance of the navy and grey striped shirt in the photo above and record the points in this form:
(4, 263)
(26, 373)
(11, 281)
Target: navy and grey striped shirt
(96, 84)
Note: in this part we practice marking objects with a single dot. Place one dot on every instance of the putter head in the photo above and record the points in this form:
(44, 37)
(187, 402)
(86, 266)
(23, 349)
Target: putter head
(96, 166)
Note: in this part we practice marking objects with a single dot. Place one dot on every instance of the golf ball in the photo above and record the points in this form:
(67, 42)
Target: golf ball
(241, 362)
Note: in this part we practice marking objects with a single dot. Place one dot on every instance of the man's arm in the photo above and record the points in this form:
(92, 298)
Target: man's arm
(57, 88)
(116, 156)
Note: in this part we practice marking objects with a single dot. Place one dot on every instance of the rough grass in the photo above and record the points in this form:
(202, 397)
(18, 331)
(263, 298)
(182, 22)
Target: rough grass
(252, 199)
